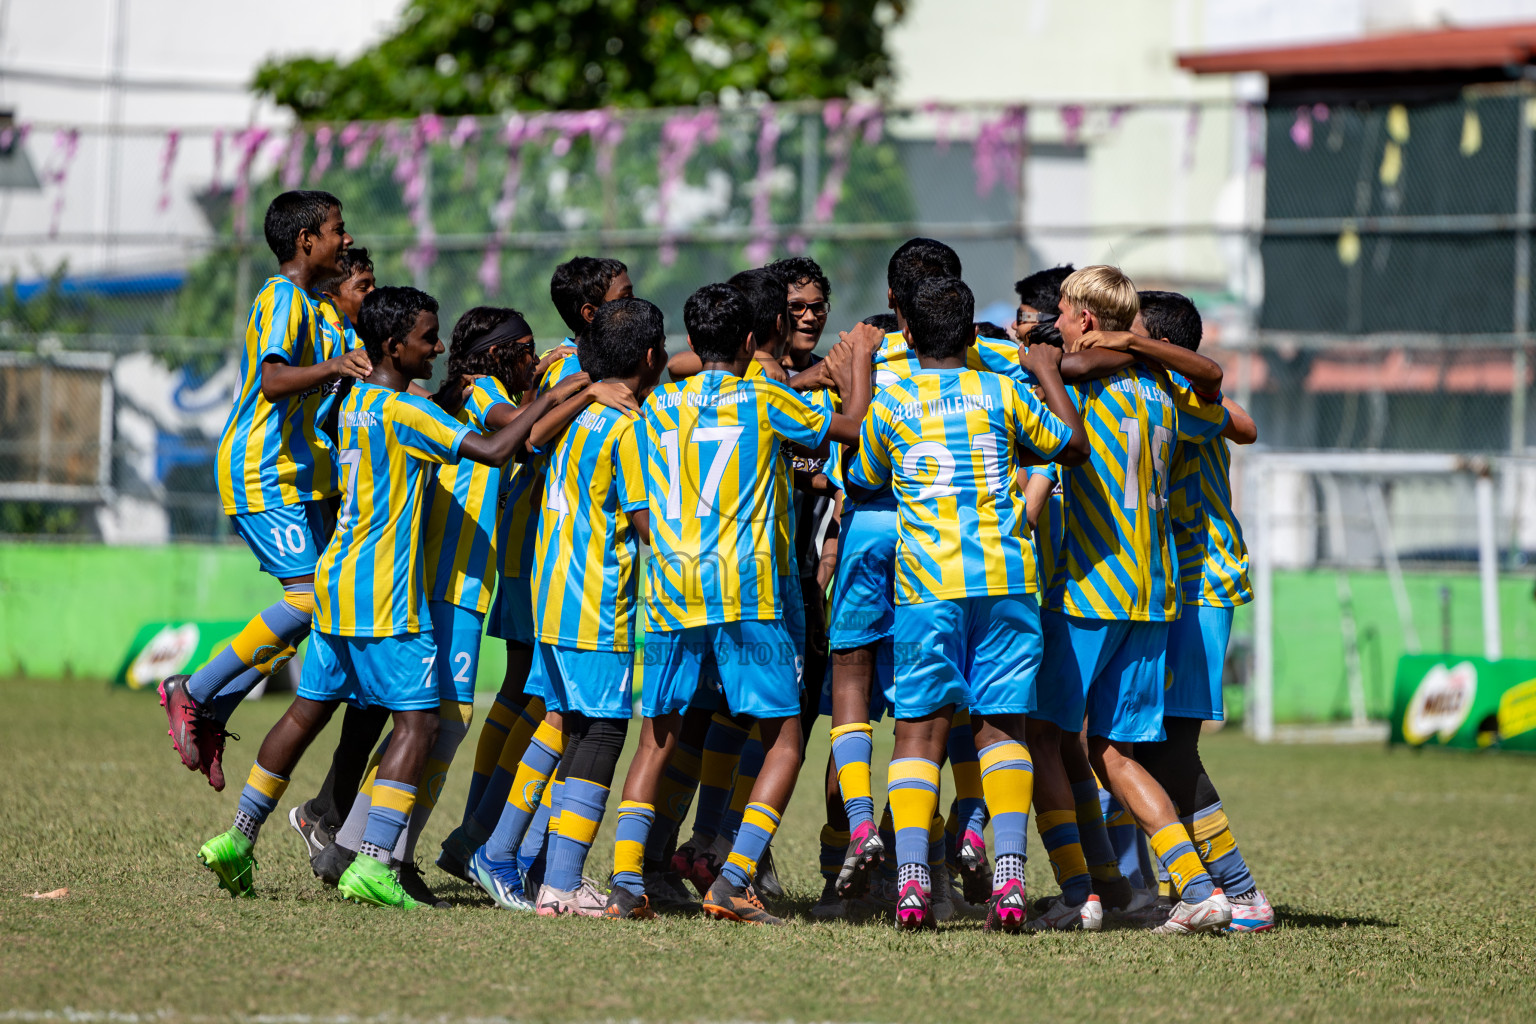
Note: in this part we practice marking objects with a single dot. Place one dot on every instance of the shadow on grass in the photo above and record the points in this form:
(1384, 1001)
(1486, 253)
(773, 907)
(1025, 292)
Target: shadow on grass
(1290, 917)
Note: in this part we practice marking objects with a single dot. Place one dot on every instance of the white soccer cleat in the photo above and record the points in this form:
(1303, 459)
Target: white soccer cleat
(1061, 916)
(1212, 914)
(1251, 913)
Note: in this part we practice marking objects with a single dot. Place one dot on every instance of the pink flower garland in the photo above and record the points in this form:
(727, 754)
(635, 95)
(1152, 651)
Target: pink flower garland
(519, 131)
(167, 162)
(323, 135)
(1072, 122)
(842, 127)
(293, 159)
(412, 153)
(66, 144)
(218, 162)
(998, 152)
(249, 142)
(463, 133)
(759, 249)
(680, 137)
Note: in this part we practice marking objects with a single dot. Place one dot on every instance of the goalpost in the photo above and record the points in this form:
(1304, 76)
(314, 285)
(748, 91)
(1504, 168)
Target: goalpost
(1362, 507)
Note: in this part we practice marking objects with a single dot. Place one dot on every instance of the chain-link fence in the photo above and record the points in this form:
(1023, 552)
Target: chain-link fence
(1361, 269)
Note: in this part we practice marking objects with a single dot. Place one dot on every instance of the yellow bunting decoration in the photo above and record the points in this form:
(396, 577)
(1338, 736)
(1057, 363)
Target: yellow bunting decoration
(1397, 123)
(1391, 164)
(1349, 245)
(1471, 133)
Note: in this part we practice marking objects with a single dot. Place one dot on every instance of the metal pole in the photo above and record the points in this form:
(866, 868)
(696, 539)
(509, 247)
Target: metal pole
(1488, 567)
(110, 187)
(810, 165)
(1522, 284)
(1261, 713)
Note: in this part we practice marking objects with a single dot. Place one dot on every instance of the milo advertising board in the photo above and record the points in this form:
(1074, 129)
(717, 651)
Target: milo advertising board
(1465, 703)
(167, 648)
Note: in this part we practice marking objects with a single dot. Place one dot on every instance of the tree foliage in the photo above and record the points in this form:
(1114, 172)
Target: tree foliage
(489, 56)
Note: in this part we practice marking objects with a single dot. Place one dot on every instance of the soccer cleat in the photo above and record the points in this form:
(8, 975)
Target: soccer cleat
(707, 864)
(725, 902)
(682, 858)
(624, 905)
(369, 881)
(1114, 893)
(1212, 914)
(1061, 916)
(975, 872)
(331, 863)
(304, 822)
(209, 735)
(501, 880)
(667, 893)
(865, 852)
(583, 901)
(458, 848)
(1008, 908)
(1145, 910)
(181, 715)
(831, 905)
(913, 912)
(963, 906)
(416, 887)
(1251, 913)
(942, 899)
(767, 880)
(232, 859)
(881, 897)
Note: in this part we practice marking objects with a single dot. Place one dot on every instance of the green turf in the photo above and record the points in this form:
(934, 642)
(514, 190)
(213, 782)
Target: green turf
(1402, 883)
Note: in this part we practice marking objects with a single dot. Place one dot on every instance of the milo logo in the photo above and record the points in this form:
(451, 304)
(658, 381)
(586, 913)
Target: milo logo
(1440, 704)
(166, 654)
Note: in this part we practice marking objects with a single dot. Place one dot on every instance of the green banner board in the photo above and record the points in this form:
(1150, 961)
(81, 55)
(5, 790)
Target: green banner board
(1465, 703)
(161, 649)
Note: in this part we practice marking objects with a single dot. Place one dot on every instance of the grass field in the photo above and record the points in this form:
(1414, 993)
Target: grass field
(1402, 882)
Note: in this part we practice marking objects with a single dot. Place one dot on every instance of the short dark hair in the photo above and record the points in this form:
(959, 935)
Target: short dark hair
(1046, 334)
(390, 312)
(940, 318)
(988, 329)
(1172, 316)
(885, 321)
(497, 361)
(794, 270)
(579, 281)
(292, 212)
(1042, 289)
(916, 260)
(619, 338)
(718, 318)
(355, 260)
(768, 297)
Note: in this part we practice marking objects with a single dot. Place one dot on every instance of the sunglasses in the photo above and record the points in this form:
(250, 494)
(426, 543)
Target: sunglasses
(1034, 318)
(816, 309)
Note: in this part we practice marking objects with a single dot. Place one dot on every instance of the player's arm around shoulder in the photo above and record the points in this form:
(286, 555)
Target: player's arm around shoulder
(1055, 432)
(424, 430)
(1240, 428)
(868, 466)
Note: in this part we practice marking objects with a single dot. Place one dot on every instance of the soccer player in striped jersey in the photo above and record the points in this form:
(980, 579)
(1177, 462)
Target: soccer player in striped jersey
(372, 642)
(578, 287)
(1116, 589)
(1213, 575)
(712, 599)
(275, 467)
(966, 628)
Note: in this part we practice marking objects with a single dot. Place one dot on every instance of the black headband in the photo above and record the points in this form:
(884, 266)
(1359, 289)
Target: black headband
(513, 328)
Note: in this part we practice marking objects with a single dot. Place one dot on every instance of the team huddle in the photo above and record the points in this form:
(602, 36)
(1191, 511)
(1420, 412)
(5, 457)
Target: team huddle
(1017, 542)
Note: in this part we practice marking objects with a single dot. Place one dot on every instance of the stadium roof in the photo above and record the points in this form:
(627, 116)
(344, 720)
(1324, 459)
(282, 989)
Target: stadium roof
(1502, 46)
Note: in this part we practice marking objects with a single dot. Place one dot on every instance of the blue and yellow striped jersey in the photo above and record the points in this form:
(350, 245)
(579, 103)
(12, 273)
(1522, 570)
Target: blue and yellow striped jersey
(1050, 528)
(338, 322)
(559, 370)
(711, 448)
(944, 440)
(369, 578)
(460, 515)
(584, 578)
(1118, 560)
(895, 360)
(274, 453)
(1213, 560)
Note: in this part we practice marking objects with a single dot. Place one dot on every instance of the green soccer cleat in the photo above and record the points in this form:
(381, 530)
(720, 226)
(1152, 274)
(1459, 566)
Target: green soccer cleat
(369, 881)
(232, 859)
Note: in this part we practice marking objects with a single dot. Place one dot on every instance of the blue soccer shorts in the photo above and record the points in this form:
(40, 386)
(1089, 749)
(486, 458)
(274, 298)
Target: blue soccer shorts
(757, 662)
(598, 684)
(864, 586)
(457, 632)
(981, 653)
(390, 672)
(286, 541)
(1197, 653)
(511, 617)
(1110, 672)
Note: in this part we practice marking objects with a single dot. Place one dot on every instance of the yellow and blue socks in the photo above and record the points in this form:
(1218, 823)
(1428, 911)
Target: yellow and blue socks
(631, 832)
(538, 763)
(965, 766)
(453, 725)
(258, 800)
(853, 748)
(674, 795)
(912, 787)
(1058, 832)
(723, 743)
(747, 769)
(1008, 780)
(488, 811)
(1212, 835)
(834, 843)
(493, 736)
(1124, 838)
(1174, 850)
(531, 855)
(582, 803)
(758, 825)
(1097, 850)
(388, 817)
(277, 627)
